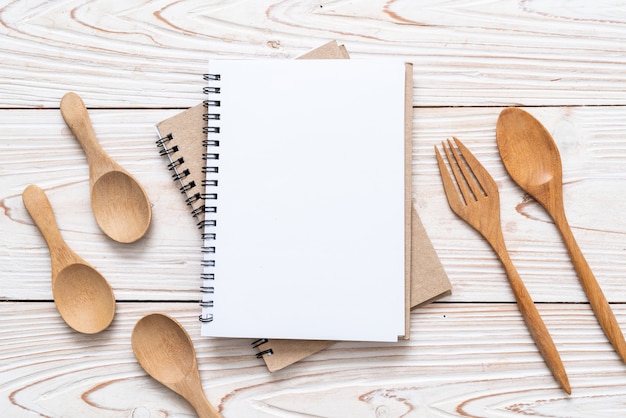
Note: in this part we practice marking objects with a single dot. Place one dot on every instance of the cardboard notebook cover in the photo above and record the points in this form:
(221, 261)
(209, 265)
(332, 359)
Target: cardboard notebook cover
(183, 142)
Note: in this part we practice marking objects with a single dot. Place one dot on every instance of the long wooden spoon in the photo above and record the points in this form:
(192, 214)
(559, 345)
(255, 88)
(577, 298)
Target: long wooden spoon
(82, 296)
(532, 160)
(120, 205)
(165, 351)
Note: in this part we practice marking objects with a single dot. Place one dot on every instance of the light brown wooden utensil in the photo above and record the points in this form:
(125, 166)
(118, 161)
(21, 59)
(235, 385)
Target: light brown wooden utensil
(479, 205)
(165, 351)
(119, 203)
(82, 296)
(532, 159)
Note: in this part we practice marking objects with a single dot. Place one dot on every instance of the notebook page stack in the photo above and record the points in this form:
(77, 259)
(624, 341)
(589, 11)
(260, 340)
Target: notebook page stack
(308, 208)
(182, 143)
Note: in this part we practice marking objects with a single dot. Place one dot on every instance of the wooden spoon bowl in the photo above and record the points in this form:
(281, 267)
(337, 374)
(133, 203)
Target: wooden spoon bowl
(120, 205)
(116, 207)
(532, 159)
(82, 296)
(165, 351)
(531, 156)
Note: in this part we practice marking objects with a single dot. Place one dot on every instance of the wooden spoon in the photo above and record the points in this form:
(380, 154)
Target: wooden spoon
(120, 205)
(165, 351)
(532, 159)
(82, 296)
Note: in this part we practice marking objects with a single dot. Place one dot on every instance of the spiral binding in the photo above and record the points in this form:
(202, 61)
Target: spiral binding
(180, 174)
(260, 342)
(209, 197)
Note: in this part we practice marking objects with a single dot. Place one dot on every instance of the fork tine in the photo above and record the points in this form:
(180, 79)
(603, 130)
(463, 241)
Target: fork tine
(454, 200)
(483, 214)
(485, 180)
(468, 174)
(463, 177)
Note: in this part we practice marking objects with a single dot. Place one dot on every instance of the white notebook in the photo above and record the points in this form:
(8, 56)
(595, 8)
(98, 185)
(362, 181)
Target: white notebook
(305, 195)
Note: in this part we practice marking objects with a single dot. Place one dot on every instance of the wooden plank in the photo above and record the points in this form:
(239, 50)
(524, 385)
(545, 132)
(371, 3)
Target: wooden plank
(151, 54)
(165, 265)
(465, 359)
(593, 160)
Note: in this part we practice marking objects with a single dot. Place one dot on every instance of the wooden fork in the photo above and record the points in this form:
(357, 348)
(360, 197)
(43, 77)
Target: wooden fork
(479, 205)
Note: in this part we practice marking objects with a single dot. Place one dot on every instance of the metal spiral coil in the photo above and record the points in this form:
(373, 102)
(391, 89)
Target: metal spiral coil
(211, 170)
(260, 342)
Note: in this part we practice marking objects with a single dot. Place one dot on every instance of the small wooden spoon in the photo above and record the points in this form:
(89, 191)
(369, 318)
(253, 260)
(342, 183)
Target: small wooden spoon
(532, 160)
(165, 351)
(120, 205)
(82, 296)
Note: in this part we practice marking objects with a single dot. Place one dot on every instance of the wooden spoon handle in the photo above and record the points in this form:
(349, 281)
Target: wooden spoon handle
(40, 210)
(77, 119)
(192, 391)
(597, 300)
(203, 407)
(534, 323)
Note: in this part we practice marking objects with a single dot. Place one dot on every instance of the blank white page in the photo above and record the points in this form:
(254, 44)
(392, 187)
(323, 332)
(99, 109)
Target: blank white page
(309, 234)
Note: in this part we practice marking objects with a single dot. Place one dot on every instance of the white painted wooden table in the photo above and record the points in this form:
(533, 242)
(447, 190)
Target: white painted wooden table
(138, 62)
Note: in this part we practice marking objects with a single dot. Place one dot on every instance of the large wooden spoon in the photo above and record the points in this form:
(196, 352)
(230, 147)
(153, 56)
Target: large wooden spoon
(82, 296)
(120, 205)
(165, 351)
(532, 160)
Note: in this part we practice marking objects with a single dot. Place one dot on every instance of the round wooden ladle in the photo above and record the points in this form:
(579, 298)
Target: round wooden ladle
(119, 203)
(165, 351)
(82, 296)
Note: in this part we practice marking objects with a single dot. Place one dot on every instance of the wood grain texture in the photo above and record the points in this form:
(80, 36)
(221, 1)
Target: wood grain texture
(533, 161)
(165, 264)
(466, 360)
(82, 296)
(478, 204)
(129, 218)
(166, 352)
(593, 167)
(136, 63)
(494, 52)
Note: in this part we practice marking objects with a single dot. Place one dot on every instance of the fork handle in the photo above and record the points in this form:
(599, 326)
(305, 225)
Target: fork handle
(534, 323)
(597, 300)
